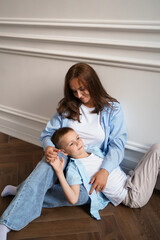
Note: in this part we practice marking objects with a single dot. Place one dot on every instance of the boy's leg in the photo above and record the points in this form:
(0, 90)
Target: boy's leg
(142, 182)
(27, 204)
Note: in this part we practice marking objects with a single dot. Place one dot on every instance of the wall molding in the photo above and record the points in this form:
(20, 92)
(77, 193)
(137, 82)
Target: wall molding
(86, 23)
(134, 146)
(23, 114)
(118, 44)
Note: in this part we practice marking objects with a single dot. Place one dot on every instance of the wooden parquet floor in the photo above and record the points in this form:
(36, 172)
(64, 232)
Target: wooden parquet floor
(17, 160)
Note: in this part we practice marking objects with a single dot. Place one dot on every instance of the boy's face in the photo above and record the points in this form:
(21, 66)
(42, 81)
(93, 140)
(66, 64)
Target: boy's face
(72, 144)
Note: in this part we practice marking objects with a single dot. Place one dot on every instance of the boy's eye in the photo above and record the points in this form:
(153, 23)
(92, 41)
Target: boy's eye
(71, 144)
(77, 138)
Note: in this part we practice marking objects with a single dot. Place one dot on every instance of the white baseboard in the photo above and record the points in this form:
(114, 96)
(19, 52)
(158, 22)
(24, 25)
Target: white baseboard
(21, 125)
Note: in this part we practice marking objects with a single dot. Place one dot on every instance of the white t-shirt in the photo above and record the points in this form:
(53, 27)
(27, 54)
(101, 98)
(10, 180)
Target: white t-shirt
(89, 127)
(114, 189)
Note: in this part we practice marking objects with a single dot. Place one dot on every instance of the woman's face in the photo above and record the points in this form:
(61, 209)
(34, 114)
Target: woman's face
(80, 92)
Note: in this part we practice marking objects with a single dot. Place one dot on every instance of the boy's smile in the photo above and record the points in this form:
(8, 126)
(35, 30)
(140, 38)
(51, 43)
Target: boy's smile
(73, 145)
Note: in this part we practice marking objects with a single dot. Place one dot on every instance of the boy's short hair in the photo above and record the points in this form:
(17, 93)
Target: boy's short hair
(58, 134)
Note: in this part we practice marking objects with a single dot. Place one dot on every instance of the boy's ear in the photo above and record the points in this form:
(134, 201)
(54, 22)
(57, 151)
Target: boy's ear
(63, 151)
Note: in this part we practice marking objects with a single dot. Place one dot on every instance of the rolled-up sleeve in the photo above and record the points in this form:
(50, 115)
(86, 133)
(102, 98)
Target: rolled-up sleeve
(116, 140)
(72, 175)
(54, 124)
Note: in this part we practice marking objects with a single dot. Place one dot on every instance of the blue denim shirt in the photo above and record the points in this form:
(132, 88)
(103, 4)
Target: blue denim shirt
(76, 174)
(113, 124)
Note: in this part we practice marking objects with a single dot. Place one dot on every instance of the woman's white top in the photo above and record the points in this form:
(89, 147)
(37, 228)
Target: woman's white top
(89, 127)
(115, 188)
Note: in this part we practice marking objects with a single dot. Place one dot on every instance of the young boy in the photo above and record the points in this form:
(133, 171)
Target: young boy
(133, 191)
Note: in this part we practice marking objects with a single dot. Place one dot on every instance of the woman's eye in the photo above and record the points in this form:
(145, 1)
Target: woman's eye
(82, 89)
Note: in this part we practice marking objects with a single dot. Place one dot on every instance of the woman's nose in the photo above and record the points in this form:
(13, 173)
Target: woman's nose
(79, 94)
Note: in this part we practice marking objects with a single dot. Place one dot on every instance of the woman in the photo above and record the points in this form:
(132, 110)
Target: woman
(99, 121)
(95, 116)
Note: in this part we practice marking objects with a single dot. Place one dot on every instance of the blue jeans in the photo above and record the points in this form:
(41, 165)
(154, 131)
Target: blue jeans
(37, 191)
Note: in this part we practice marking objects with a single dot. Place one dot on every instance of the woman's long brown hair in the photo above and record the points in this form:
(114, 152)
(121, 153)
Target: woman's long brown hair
(69, 105)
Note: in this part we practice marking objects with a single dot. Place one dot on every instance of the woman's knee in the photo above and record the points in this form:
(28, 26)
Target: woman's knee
(155, 147)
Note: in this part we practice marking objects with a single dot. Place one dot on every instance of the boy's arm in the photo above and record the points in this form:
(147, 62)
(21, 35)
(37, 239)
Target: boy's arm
(71, 192)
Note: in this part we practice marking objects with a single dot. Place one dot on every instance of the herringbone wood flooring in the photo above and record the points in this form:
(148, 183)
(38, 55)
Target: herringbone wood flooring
(17, 160)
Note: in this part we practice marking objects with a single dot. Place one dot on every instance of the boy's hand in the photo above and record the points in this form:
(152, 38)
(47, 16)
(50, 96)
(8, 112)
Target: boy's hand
(51, 153)
(99, 180)
(58, 164)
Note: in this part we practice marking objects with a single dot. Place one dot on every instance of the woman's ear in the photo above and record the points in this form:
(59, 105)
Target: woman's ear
(64, 152)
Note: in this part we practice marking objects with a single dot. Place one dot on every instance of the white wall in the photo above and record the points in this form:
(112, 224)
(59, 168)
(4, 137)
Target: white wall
(40, 40)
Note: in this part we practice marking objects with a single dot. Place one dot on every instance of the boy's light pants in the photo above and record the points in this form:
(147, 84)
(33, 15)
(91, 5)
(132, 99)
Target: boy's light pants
(143, 180)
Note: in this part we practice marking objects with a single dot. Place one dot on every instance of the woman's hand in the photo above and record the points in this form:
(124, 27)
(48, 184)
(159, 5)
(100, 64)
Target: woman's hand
(99, 180)
(51, 153)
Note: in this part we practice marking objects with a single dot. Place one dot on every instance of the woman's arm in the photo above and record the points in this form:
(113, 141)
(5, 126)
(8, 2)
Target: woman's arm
(54, 124)
(99, 180)
(114, 146)
(71, 192)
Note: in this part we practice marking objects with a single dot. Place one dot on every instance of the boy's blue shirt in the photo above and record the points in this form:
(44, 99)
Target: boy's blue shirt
(76, 174)
(113, 124)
